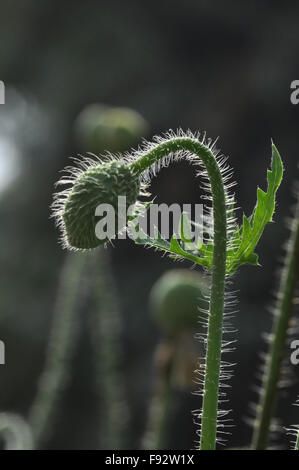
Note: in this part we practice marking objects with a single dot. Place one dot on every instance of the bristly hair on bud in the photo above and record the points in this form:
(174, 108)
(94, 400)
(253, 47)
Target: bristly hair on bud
(90, 184)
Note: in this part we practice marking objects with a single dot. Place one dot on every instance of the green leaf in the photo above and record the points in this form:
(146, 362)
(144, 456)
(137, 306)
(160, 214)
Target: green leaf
(140, 210)
(206, 251)
(253, 226)
(173, 248)
(186, 232)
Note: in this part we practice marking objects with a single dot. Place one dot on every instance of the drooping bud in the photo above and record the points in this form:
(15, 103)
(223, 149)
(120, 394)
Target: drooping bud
(75, 208)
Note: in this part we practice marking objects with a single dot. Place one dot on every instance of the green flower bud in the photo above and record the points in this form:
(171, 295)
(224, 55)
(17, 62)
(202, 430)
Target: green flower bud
(99, 128)
(176, 299)
(93, 185)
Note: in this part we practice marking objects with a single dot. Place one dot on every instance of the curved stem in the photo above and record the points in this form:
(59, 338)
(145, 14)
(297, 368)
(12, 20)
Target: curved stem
(272, 372)
(216, 308)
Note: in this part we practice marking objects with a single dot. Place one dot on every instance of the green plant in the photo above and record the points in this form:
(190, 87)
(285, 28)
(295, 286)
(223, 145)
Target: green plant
(222, 253)
(278, 338)
(93, 184)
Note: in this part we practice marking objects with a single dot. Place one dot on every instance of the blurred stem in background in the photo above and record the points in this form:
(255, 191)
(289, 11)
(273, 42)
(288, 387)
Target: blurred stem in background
(282, 314)
(175, 362)
(176, 300)
(15, 432)
(106, 328)
(161, 406)
(62, 342)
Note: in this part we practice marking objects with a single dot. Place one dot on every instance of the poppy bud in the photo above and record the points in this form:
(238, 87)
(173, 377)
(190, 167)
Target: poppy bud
(97, 184)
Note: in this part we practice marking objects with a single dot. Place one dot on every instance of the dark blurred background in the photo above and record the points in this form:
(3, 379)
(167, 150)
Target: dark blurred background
(220, 67)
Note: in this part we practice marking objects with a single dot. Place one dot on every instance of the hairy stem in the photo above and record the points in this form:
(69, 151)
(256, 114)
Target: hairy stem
(272, 372)
(297, 442)
(216, 308)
